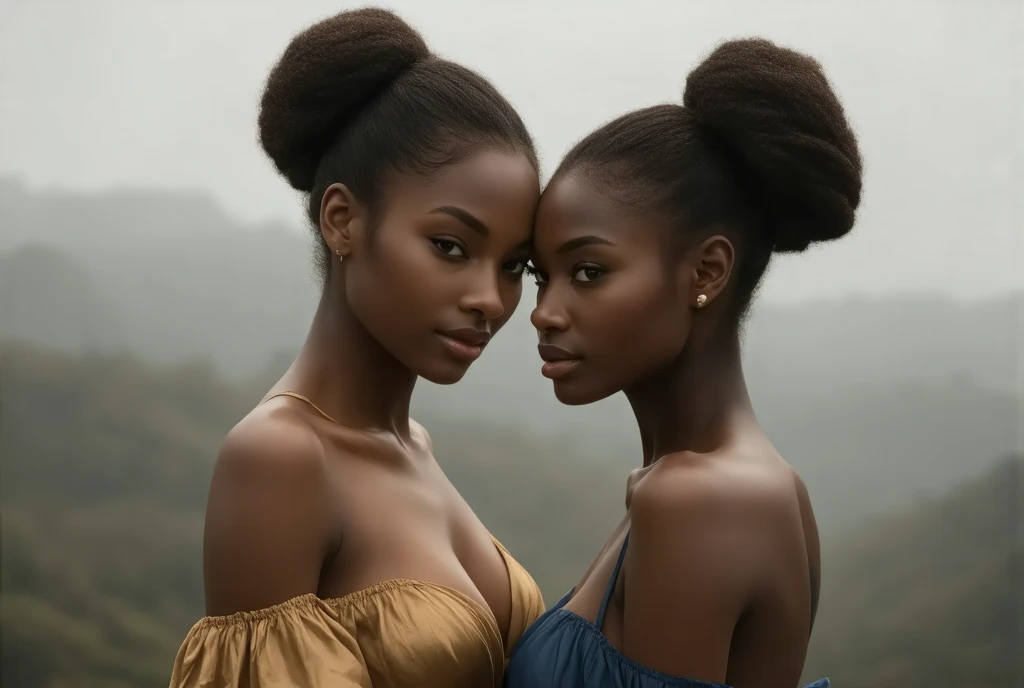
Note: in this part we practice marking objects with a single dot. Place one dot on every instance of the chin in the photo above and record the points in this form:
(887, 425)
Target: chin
(577, 395)
(444, 374)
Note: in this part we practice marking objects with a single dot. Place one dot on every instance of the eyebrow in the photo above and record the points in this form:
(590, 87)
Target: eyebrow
(466, 218)
(580, 242)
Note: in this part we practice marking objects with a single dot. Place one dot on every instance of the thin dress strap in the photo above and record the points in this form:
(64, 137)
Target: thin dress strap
(296, 395)
(611, 585)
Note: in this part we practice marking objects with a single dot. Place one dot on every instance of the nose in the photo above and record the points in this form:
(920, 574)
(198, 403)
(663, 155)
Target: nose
(549, 316)
(484, 297)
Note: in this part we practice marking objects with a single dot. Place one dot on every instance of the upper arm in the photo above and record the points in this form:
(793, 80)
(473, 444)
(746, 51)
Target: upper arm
(810, 532)
(267, 525)
(692, 552)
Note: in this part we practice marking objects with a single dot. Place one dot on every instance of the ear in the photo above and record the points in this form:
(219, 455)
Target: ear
(712, 265)
(343, 220)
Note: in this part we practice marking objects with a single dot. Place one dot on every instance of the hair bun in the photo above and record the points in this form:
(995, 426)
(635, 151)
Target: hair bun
(327, 74)
(774, 109)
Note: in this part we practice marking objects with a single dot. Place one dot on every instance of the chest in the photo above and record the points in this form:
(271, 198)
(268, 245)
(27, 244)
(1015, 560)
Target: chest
(408, 522)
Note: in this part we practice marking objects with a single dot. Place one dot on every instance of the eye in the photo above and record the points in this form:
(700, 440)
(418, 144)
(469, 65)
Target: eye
(515, 267)
(449, 248)
(588, 273)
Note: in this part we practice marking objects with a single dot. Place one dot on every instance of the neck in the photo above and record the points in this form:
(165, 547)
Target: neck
(347, 373)
(695, 404)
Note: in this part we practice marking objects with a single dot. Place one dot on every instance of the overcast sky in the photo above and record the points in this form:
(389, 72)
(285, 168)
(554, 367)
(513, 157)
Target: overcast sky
(105, 93)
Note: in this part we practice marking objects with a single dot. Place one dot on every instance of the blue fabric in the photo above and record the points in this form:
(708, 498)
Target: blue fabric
(563, 650)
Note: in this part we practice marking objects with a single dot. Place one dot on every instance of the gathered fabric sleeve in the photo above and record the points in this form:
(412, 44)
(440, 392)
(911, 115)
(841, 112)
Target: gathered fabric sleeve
(301, 642)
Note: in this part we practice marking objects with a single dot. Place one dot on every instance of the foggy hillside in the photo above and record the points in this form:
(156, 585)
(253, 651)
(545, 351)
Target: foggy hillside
(915, 592)
(102, 533)
(874, 401)
(147, 302)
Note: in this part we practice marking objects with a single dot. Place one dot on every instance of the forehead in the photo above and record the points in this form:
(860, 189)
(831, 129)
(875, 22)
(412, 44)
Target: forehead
(575, 205)
(498, 188)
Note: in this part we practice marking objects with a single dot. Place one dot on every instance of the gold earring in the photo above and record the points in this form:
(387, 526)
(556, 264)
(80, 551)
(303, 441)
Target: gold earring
(701, 300)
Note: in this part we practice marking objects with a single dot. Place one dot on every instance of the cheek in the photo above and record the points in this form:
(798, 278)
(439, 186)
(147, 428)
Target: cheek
(631, 305)
(392, 285)
(640, 325)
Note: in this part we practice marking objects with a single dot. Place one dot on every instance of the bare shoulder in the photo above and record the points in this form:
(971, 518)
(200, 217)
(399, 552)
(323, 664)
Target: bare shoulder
(684, 487)
(702, 531)
(270, 456)
(741, 519)
(270, 443)
(725, 516)
(267, 518)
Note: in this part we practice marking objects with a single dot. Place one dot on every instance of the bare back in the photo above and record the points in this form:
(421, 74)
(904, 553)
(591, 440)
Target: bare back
(721, 574)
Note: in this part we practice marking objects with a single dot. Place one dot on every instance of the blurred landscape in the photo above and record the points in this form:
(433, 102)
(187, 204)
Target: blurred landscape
(138, 326)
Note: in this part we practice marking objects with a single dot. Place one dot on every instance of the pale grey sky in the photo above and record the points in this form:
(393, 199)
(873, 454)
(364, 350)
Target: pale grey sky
(105, 93)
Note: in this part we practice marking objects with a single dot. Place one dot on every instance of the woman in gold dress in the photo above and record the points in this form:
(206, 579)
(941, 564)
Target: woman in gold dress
(336, 551)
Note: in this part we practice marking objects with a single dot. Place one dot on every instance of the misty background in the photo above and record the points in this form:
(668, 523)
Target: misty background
(156, 278)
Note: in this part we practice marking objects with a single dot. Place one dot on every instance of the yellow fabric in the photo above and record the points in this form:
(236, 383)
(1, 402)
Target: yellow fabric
(397, 634)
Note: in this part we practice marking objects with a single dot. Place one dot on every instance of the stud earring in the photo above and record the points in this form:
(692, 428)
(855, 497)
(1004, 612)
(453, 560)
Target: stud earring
(701, 300)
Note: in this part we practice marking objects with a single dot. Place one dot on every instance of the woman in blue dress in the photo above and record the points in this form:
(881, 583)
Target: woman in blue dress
(651, 240)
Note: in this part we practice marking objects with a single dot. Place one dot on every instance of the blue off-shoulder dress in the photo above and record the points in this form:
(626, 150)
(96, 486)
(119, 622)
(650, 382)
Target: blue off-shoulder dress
(563, 650)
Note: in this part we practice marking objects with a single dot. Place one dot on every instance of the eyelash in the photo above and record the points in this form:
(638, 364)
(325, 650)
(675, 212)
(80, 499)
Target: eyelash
(448, 242)
(541, 278)
(522, 267)
(584, 269)
(536, 273)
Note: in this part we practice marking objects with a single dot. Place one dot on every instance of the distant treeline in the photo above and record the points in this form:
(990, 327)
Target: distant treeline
(105, 467)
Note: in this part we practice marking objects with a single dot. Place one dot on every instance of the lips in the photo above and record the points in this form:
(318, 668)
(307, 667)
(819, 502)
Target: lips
(557, 361)
(469, 336)
(465, 343)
